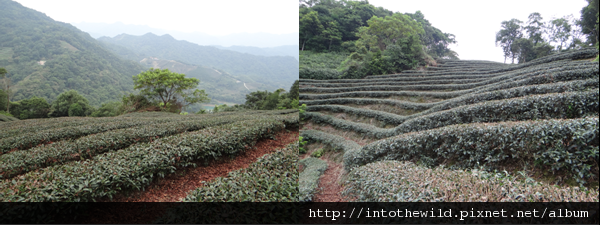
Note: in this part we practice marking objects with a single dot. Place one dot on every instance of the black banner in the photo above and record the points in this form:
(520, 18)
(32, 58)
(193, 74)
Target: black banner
(304, 213)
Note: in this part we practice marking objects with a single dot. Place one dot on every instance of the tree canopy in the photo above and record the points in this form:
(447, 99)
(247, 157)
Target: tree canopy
(70, 103)
(169, 88)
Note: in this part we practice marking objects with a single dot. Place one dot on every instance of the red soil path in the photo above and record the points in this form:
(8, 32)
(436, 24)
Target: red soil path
(174, 187)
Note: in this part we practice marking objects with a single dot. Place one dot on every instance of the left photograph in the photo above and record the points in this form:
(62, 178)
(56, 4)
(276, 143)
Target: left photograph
(146, 101)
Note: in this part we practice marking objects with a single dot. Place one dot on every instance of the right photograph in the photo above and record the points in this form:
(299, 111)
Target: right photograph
(448, 101)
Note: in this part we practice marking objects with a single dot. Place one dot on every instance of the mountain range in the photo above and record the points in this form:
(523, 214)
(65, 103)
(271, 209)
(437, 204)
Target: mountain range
(245, 71)
(45, 58)
(260, 40)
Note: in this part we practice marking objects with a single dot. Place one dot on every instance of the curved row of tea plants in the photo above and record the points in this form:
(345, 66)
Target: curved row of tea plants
(459, 76)
(402, 181)
(530, 107)
(589, 69)
(134, 167)
(272, 178)
(309, 177)
(20, 162)
(390, 118)
(569, 146)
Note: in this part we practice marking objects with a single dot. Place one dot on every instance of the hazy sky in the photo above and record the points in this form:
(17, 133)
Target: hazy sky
(475, 22)
(215, 17)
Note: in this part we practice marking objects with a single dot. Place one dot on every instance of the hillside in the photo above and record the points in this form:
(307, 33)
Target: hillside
(273, 72)
(45, 58)
(538, 121)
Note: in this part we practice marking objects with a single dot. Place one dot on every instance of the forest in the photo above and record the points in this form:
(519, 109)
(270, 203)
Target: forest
(357, 33)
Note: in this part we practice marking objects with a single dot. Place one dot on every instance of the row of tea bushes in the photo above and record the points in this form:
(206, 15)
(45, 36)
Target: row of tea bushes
(20, 162)
(578, 74)
(273, 178)
(336, 142)
(390, 118)
(368, 82)
(580, 54)
(568, 146)
(457, 76)
(401, 181)
(28, 140)
(522, 74)
(135, 167)
(309, 178)
(556, 105)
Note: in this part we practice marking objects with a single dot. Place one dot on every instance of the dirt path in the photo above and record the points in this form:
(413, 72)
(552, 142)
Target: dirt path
(330, 188)
(176, 186)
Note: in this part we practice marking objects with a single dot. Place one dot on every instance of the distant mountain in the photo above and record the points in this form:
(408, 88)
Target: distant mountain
(258, 72)
(287, 50)
(45, 58)
(262, 40)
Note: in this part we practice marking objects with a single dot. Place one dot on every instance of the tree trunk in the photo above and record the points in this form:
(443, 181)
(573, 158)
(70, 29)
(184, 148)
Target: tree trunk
(304, 42)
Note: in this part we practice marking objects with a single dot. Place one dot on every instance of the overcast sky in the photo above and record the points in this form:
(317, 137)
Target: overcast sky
(215, 17)
(475, 22)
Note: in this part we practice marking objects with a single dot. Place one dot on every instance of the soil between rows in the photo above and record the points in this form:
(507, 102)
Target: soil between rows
(175, 186)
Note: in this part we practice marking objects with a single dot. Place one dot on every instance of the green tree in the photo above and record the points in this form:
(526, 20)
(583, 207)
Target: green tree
(383, 32)
(108, 110)
(64, 102)
(34, 107)
(510, 32)
(6, 80)
(3, 100)
(76, 110)
(332, 33)
(310, 26)
(169, 88)
(535, 28)
(295, 90)
(587, 22)
(560, 32)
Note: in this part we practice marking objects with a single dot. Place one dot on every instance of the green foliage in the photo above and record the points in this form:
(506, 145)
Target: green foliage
(109, 109)
(317, 153)
(3, 100)
(301, 150)
(75, 110)
(168, 87)
(133, 103)
(35, 107)
(68, 101)
(589, 27)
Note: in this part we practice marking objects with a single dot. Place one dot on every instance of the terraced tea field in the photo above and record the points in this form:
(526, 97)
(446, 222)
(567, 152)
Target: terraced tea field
(465, 130)
(100, 159)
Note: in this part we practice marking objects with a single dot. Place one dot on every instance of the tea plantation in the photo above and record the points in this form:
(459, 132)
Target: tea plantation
(464, 130)
(87, 159)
